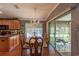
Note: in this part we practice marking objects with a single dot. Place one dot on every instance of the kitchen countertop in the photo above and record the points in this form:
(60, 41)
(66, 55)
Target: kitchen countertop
(8, 35)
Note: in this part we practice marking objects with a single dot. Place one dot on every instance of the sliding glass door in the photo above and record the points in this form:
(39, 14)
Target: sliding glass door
(52, 33)
(63, 34)
(60, 34)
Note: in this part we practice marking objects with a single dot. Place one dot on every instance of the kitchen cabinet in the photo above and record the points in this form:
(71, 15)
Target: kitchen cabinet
(12, 23)
(10, 45)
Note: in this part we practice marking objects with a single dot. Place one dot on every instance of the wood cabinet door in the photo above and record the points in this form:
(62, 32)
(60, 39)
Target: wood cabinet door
(4, 22)
(4, 44)
(17, 24)
(13, 24)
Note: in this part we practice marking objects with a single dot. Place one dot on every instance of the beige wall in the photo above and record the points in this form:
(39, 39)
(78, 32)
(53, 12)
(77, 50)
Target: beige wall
(75, 31)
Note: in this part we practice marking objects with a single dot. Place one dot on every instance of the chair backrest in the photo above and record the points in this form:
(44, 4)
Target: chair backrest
(35, 46)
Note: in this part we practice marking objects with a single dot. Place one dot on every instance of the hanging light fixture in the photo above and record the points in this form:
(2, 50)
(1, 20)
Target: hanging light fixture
(34, 22)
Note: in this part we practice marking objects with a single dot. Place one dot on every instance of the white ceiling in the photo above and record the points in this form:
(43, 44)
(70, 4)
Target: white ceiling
(25, 11)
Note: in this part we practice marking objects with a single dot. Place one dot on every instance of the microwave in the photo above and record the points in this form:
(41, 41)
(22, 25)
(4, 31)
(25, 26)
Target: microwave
(4, 27)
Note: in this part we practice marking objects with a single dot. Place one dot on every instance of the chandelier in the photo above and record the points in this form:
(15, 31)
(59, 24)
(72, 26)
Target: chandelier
(34, 22)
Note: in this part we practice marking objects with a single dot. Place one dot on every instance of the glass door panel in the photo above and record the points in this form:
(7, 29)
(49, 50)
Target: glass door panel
(63, 34)
(60, 34)
(52, 33)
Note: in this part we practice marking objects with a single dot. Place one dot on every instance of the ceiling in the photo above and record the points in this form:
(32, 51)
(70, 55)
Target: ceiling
(26, 11)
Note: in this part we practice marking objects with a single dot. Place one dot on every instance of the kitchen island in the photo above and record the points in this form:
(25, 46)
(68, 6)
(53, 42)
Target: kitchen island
(10, 45)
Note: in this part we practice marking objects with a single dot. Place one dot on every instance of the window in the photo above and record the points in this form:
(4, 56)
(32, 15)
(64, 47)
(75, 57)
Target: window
(30, 30)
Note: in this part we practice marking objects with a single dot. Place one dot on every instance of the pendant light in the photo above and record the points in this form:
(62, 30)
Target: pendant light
(34, 22)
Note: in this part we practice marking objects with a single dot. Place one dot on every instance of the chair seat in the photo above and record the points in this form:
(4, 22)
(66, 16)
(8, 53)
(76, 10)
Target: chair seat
(35, 47)
(33, 52)
(26, 46)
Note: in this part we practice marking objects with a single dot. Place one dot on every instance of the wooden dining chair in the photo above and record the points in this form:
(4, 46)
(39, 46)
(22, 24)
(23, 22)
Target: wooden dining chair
(35, 47)
(24, 45)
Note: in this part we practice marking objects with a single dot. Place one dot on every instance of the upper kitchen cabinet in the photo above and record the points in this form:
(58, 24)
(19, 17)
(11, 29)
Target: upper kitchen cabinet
(12, 23)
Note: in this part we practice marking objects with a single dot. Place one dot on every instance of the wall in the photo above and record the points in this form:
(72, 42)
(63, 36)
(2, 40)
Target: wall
(75, 31)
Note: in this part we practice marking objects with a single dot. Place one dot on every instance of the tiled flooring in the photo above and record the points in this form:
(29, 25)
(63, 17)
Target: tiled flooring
(45, 52)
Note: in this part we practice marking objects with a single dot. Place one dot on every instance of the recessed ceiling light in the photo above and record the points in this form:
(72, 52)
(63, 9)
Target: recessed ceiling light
(1, 12)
